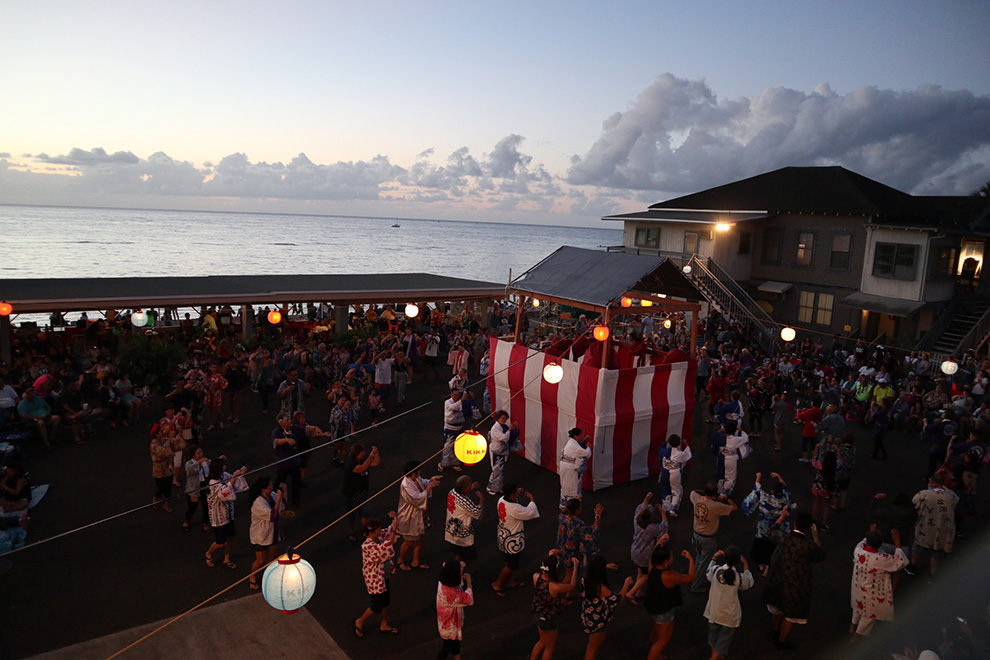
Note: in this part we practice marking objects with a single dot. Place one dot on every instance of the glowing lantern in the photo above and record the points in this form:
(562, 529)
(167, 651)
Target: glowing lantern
(686, 270)
(949, 367)
(553, 373)
(470, 447)
(666, 323)
(646, 303)
(723, 226)
(139, 319)
(6, 308)
(626, 302)
(412, 311)
(787, 334)
(601, 332)
(536, 303)
(288, 582)
(274, 317)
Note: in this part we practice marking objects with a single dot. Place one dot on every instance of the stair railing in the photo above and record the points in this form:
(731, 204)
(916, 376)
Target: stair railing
(976, 336)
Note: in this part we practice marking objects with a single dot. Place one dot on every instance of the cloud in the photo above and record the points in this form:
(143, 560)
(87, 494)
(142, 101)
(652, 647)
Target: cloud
(679, 137)
(97, 156)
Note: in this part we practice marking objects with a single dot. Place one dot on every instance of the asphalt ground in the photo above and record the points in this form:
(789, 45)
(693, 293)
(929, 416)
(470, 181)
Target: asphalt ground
(142, 567)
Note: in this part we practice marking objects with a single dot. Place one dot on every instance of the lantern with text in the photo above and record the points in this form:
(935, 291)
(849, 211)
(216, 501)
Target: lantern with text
(6, 308)
(787, 334)
(536, 302)
(274, 317)
(412, 311)
(470, 447)
(646, 303)
(626, 302)
(601, 332)
(288, 582)
(553, 373)
(949, 367)
(139, 318)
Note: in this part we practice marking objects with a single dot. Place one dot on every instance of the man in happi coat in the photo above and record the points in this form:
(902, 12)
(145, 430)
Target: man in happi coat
(872, 595)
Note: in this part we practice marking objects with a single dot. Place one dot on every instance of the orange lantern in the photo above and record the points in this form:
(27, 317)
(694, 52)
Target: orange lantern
(6, 308)
(601, 332)
(470, 447)
(274, 317)
(626, 302)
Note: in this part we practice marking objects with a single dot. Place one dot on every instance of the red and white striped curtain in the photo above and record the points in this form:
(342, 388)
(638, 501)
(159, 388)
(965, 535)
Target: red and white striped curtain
(627, 412)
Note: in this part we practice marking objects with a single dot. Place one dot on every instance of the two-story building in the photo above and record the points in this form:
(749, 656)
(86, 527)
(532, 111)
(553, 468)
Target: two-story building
(829, 251)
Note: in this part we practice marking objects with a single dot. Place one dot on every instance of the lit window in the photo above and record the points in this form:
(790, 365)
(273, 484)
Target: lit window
(806, 306)
(805, 247)
(823, 315)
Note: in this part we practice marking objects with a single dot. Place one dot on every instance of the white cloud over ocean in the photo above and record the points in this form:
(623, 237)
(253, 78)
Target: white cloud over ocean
(677, 137)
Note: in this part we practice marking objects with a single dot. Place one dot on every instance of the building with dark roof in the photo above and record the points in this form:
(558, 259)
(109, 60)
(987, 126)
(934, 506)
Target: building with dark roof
(832, 252)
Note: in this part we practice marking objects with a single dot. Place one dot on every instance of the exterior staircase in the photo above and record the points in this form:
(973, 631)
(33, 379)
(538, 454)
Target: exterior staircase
(968, 328)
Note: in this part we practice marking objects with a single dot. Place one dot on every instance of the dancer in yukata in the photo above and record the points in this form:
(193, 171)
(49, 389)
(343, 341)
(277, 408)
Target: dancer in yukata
(674, 455)
(572, 460)
(501, 437)
(729, 445)
(872, 596)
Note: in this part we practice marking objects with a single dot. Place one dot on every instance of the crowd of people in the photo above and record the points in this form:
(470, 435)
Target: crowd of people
(830, 389)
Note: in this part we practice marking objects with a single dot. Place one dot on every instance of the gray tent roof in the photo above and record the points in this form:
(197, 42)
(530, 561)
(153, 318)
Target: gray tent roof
(598, 278)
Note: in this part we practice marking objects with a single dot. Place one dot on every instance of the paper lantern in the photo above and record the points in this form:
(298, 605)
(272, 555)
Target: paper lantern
(601, 332)
(288, 582)
(6, 308)
(787, 334)
(686, 270)
(139, 319)
(646, 303)
(470, 447)
(553, 373)
(412, 311)
(536, 303)
(949, 367)
(666, 323)
(626, 302)
(274, 317)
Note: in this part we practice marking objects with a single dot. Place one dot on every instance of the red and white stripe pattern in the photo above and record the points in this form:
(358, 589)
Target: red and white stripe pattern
(627, 412)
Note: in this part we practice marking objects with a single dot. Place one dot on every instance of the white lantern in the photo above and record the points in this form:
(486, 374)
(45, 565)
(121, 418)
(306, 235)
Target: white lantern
(536, 302)
(787, 334)
(949, 367)
(288, 582)
(686, 270)
(139, 318)
(412, 311)
(553, 373)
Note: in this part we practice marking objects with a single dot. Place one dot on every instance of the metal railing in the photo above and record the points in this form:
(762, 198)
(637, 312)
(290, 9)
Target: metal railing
(976, 336)
(932, 335)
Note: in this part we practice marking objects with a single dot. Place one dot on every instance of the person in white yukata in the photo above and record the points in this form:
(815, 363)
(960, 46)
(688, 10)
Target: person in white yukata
(872, 595)
(572, 460)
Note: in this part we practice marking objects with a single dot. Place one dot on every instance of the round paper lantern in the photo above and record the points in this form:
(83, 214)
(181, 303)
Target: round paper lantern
(274, 317)
(470, 447)
(666, 323)
(787, 334)
(949, 367)
(646, 303)
(626, 302)
(6, 308)
(139, 318)
(553, 373)
(412, 311)
(288, 582)
(536, 303)
(686, 270)
(601, 332)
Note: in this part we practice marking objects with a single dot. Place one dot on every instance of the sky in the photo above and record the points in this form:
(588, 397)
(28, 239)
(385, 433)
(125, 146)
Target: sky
(542, 112)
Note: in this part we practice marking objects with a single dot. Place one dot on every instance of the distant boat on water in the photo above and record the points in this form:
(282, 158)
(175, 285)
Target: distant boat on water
(396, 224)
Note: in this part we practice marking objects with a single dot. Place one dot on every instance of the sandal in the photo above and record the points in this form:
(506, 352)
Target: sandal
(421, 565)
(185, 527)
(358, 631)
(167, 507)
(404, 567)
(253, 586)
(389, 631)
(229, 564)
(209, 561)
(498, 592)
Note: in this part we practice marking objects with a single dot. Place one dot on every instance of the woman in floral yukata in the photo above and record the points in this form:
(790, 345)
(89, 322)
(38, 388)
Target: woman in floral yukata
(770, 505)
(453, 595)
(376, 565)
(213, 396)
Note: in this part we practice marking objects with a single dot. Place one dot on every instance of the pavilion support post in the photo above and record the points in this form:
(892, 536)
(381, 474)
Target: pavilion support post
(5, 340)
(693, 332)
(519, 316)
(340, 316)
(247, 326)
(607, 344)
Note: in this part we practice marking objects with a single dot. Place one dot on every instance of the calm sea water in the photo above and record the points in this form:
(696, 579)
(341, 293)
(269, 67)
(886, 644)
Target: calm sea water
(51, 242)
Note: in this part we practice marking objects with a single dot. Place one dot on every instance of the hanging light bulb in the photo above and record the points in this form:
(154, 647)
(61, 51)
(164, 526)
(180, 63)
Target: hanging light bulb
(412, 310)
(139, 318)
(536, 302)
(787, 334)
(553, 373)
(601, 332)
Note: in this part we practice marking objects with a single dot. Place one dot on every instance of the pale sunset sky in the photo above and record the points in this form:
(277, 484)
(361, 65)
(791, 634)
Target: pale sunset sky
(543, 112)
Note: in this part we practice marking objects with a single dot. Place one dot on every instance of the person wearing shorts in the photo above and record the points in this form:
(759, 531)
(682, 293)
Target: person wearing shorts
(510, 534)
(376, 567)
(663, 594)
(789, 580)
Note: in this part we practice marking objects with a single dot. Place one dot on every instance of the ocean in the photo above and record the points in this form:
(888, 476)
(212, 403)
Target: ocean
(52, 242)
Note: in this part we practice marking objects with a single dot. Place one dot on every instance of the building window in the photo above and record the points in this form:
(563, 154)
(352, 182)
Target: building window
(805, 248)
(745, 241)
(771, 246)
(896, 260)
(823, 314)
(806, 306)
(691, 242)
(943, 262)
(647, 237)
(840, 251)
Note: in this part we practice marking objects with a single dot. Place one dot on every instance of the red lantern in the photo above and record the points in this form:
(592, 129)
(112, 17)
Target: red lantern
(274, 317)
(6, 308)
(601, 332)
(626, 302)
